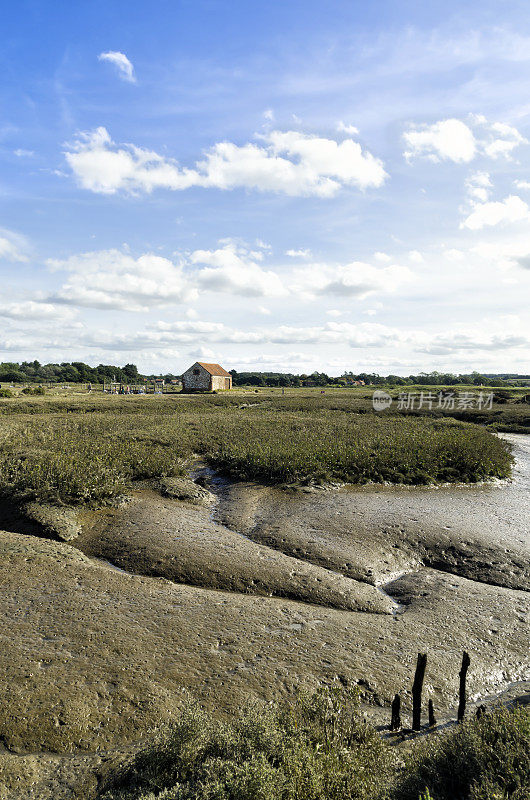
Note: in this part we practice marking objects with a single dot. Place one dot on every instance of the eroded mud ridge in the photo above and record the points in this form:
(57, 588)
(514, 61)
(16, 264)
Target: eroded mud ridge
(253, 594)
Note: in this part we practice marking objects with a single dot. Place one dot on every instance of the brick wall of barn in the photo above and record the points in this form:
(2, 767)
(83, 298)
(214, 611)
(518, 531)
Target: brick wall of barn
(192, 382)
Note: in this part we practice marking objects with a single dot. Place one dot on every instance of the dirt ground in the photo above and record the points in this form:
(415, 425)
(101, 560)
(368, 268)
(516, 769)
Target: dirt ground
(251, 596)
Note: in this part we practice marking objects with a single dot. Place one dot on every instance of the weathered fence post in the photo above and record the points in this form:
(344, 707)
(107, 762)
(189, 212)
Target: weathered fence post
(466, 661)
(395, 723)
(432, 718)
(417, 687)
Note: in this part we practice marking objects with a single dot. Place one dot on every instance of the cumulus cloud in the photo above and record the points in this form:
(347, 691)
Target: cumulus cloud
(446, 345)
(447, 140)
(511, 209)
(232, 269)
(289, 163)
(12, 246)
(454, 140)
(357, 279)
(122, 64)
(302, 253)
(30, 309)
(164, 334)
(104, 168)
(343, 127)
(115, 280)
(523, 261)
(501, 139)
(478, 186)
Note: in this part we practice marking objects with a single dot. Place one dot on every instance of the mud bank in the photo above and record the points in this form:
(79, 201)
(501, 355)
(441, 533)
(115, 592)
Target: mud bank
(275, 591)
(372, 533)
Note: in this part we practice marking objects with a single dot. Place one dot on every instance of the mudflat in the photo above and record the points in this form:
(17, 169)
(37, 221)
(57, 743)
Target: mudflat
(261, 592)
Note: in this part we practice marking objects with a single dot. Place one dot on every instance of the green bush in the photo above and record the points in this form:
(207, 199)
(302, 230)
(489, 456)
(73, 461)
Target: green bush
(318, 748)
(34, 391)
(6, 393)
(486, 759)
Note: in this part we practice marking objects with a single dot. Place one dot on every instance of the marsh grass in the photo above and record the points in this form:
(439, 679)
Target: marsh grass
(486, 759)
(357, 449)
(89, 450)
(318, 747)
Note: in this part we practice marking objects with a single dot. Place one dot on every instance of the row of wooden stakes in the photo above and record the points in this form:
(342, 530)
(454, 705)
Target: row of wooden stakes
(417, 688)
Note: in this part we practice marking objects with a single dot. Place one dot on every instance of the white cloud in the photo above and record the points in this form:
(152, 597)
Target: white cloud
(21, 153)
(357, 279)
(522, 184)
(30, 309)
(12, 246)
(302, 253)
(447, 140)
(350, 129)
(478, 186)
(453, 254)
(289, 163)
(454, 140)
(232, 269)
(104, 168)
(511, 209)
(501, 140)
(447, 344)
(122, 64)
(113, 279)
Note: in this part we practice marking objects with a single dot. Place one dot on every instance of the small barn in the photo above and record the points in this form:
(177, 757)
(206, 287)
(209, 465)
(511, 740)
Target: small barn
(201, 377)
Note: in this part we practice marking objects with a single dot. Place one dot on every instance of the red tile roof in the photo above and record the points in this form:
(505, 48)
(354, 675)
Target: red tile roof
(215, 369)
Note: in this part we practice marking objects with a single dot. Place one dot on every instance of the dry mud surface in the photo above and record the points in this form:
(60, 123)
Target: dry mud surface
(265, 591)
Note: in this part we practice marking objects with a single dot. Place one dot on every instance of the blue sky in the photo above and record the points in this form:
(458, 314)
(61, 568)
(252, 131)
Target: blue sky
(283, 186)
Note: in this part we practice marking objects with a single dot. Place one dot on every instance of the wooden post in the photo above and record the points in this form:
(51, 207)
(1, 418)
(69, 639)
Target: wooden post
(462, 691)
(432, 718)
(395, 723)
(417, 687)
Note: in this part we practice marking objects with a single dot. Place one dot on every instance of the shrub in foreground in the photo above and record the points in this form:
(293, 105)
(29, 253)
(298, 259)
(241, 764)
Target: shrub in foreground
(319, 748)
(486, 759)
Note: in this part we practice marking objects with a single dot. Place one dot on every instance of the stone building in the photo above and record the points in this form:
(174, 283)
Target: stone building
(201, 377)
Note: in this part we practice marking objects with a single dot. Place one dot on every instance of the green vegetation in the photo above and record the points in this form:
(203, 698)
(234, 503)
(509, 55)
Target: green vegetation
(78, 372)
(89, 450)
(320, 748)
(488, 759)
(333, 446)
(317, 749)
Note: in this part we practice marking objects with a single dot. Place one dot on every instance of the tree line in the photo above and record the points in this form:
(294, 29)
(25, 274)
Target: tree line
(78, 372)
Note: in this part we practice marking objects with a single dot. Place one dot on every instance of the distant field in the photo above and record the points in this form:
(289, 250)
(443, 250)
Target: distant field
(89, 448)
